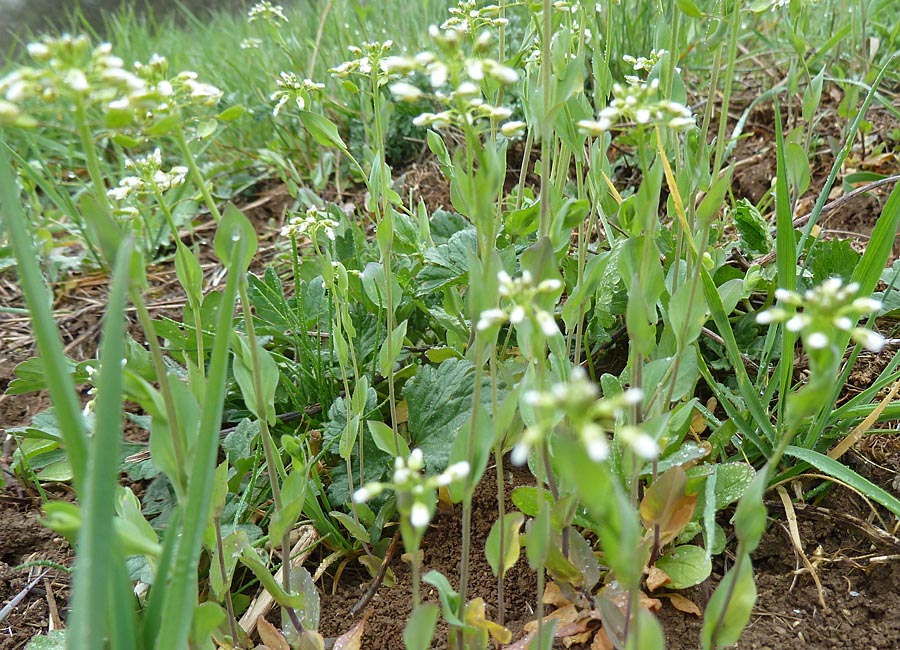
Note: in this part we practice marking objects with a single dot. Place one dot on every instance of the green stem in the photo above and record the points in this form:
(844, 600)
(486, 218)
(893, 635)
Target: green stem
(546, 126)
(196, 175)
(274, 468)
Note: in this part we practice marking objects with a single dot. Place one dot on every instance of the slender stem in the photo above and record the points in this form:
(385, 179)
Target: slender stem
(159, 366)
(546, 126)
(469, 489)
(196, 173)
(229, 606)
(726, 91)
(272, 465)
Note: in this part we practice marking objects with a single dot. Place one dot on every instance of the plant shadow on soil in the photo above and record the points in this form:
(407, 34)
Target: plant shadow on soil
(858, 570)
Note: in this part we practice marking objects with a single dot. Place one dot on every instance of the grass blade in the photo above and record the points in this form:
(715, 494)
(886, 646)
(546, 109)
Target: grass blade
(46, 334)
(846, 475)
(91, 590)
(181, 596)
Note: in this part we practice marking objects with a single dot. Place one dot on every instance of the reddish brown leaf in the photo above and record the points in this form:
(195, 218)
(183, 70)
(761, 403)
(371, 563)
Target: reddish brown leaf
(352, 638)
(271, 636)
(657, 578)
(686, 605)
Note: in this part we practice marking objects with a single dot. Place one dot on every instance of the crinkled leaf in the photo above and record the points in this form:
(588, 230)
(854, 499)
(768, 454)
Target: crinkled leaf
(440, 402)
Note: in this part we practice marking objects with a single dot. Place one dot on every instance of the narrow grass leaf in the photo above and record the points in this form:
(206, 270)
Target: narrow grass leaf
(91, 590)
(846, 475)
(46, 334)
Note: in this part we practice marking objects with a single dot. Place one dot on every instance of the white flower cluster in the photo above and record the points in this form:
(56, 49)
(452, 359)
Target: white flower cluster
(466, 17)
(589, 418)
(371, 55)
(642, 64)
(310, 224)
(290, 86)
(69, 67)
(414, 490)
(520, 294)
(181, 90)
(640, 104)
(265, 10)
(148, 177)
(828, 308)
(464, 103)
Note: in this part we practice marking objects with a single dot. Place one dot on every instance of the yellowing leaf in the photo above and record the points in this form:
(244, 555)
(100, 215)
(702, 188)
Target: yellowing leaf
(271, 636)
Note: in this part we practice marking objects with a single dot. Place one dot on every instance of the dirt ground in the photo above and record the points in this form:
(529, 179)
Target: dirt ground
(854, 548)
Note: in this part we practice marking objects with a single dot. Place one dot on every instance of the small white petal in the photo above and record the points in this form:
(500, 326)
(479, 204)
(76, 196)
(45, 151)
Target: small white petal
(766, 317)
(598, 450)
(519, 454)
(419, 516)
(796, 323)
(872, 341)
(645, 446)
(817, 340)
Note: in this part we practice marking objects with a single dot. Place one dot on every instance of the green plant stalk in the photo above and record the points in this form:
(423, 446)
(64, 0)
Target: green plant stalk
(46, 334)
(90, 155)
(726, 91)
(501, 491)
(469, 490)
(180, 598)
(159, 367)
(274, 468)
(546, 126)
(229, 605)
(92, 588)
(196, 174)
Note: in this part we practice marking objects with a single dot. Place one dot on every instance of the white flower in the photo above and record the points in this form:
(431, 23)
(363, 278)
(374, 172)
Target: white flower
(816, 340)
(598, 449)
(513, 128)
(517, 315)
(872, 341)
(644, 446)
(419, 516)
(547, 323)
(416, 460)
(405, 92)
(489, 318)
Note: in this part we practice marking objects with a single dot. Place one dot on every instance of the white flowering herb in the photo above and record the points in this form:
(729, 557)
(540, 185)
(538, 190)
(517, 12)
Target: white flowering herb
(822, 312)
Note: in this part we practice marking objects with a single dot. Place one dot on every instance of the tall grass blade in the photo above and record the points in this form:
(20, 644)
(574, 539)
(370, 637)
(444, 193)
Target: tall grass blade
(181, 596)
(46, 334)
(785, 259)
(91, 590)
(843, 473)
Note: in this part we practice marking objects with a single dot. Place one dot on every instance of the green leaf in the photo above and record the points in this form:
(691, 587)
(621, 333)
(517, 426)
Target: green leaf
(293, 495)
(449, 598)
(730, 607)
(55, 640)
(537, 548)
(812, 96)
(322, 130)
(843, 473)
(687, 313)
(689, 8)
(446, 263)
(440, 402)
(355, 528)
(647, 633)
(686, 565)
(420, 627)
(262, 406)
(384, 438)
(233, 228)
(501, 559)
(750, 515)
(231, 113)
(391, 348)
(162, 126)
(751, 226)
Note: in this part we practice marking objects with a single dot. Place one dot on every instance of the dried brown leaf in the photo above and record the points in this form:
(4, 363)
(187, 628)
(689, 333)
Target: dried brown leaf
(685, 605)
(271, 636)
